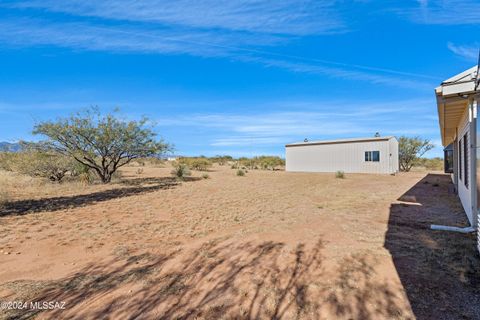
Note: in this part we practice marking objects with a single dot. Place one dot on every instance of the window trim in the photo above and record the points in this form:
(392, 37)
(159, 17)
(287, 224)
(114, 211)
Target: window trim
(369, 156)
(460, 161)
(465, 159)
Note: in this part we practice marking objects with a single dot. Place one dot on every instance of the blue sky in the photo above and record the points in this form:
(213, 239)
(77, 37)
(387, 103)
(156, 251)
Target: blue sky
(236, 77)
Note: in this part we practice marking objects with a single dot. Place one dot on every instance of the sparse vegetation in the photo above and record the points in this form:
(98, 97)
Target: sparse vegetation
(433, 164)
(260, 162)
(410, 150)
(83, 173)
(196, 163)
(221, 160)
(205, 176)
(180, 232)
(240, 173)
(103, 143)
(3, 198)
(36, 163)
(180, 171)
(340, 175)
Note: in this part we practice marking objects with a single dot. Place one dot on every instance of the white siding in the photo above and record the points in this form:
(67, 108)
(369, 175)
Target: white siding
(346, 156)
(395, 164)
(464, 192)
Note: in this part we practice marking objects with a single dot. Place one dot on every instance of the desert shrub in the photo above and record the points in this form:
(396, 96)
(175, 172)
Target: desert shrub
(198, 163)
(3, 198)
(434, 164)
(269, 162)
(260, 162)
(205, 176)
(6, 160)
(240, 173)
(340, 175)
(221, 160)
(180, 171)
(155, 162)
(246, 163)
(41, 164)
(82, 173)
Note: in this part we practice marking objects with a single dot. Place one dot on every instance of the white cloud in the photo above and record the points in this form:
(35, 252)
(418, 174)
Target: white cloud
(469, 53)
(352, 73)
(238, 30)
(328, 121)
(278, 17)
(444, 12)
(87, 36)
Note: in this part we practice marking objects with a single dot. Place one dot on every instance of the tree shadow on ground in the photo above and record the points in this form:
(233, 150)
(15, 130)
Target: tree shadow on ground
(439, 270)
(155, 180)
(135, 187)
(218, 279)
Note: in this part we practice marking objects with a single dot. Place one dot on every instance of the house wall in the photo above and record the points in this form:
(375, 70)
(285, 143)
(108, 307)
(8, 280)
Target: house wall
(348, 157)
(464, 192)
(395, 164)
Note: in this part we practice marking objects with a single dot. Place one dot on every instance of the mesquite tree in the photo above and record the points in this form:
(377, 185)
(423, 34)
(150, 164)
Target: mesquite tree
(410, 150)
(103, 143)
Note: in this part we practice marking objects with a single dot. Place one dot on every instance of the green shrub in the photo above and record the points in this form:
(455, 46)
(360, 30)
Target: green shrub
(340, 175)
(83, 173)
(180, 171)
(221, 160)
(40, 164)
(205, 176)
(6, 160)
(199, 164)
(240, 173)
(260, 162)
(433, 164)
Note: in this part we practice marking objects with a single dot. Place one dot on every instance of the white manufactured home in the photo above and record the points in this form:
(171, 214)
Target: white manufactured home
(361, 155)
(457, 100)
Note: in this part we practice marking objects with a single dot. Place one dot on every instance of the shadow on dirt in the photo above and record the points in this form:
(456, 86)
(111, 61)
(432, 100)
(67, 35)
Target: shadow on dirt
(134, 187)
(218, 279)
(439, 270)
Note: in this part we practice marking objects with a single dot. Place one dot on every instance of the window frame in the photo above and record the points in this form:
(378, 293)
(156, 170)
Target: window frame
(369, 156)
(460, 161)
(465, 160)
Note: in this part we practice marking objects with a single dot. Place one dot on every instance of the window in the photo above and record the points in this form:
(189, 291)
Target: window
(460, 159)
(465, 159)
(448, 161)
(372, 156)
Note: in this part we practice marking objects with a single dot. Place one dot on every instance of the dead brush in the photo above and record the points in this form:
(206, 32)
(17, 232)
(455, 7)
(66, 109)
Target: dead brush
(4, 198)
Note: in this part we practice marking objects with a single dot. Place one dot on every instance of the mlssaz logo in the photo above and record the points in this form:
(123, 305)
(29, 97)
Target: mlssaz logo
(47, 305)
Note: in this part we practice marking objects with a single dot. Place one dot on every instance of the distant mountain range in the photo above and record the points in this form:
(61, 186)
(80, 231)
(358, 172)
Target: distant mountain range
(12, 147)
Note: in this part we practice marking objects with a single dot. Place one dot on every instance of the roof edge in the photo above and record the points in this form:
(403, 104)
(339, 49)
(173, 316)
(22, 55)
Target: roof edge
(312, 143)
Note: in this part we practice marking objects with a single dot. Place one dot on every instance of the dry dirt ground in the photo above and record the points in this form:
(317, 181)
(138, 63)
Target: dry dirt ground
(269, 245)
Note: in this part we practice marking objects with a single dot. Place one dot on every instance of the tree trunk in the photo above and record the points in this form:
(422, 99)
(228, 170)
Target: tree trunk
(106, 178)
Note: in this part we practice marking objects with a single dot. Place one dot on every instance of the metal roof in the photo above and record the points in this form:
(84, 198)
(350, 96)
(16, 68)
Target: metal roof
(452, 101)
(352, 140)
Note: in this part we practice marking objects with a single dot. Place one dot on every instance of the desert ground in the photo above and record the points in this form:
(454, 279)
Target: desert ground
(268, 245)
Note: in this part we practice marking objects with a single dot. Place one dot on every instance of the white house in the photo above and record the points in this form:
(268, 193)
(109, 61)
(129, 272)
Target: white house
(457, 100)
(361, 155)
